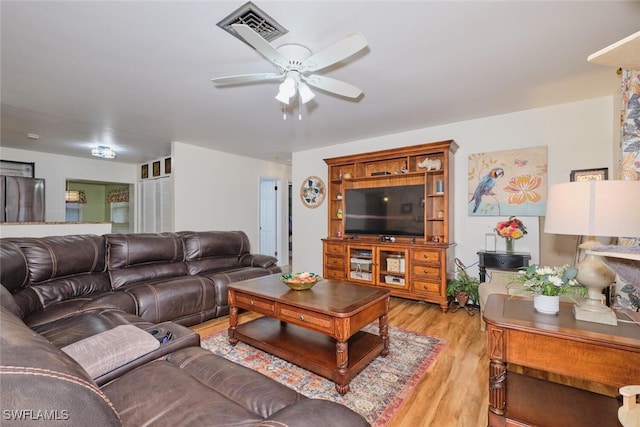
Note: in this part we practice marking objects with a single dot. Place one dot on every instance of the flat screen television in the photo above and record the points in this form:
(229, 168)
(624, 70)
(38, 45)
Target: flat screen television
(386, 211)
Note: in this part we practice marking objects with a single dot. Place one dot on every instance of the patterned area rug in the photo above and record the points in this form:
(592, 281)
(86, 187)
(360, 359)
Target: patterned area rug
(377, 392)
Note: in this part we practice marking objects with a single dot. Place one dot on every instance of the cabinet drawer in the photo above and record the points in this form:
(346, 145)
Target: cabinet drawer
(334, 248)
(425, 270)
(307, 319)
(425, 255)
(332, 261)
(504, 261)
(255, 304)
(422, 285)
(332, 273)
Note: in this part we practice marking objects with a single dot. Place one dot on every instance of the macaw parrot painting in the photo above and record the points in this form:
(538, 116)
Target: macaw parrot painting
(510, 182)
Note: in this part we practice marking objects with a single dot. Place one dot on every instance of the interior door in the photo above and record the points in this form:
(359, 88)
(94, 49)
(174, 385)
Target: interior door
(268, 217)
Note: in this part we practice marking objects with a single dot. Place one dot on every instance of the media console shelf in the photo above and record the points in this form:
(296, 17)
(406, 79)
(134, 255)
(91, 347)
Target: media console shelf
(410, 266)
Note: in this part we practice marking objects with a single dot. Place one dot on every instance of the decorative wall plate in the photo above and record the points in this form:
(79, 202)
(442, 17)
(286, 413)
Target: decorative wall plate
(312, 192)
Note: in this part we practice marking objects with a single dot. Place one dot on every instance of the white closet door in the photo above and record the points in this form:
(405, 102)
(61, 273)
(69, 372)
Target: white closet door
(155, 205)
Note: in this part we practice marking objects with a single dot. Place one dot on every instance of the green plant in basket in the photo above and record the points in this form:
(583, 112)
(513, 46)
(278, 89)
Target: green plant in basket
(300, 281)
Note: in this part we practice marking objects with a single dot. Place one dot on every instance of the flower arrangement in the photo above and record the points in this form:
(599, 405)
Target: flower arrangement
(550, 281)
(512, 228)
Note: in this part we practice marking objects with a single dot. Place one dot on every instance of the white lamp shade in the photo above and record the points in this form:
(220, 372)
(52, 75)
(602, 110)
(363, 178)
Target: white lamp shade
(306, 94)
(286, 89)
(594, 208)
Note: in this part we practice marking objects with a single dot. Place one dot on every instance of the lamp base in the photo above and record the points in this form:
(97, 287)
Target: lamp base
(602, 315)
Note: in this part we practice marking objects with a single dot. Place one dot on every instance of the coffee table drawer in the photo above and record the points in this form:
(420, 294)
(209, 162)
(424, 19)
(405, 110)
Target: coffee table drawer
(256, 304)
(307, 319)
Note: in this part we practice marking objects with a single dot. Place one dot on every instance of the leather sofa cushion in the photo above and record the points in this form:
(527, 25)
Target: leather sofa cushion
(59, 256)
(78, 326)
(36, 376)
(175, 299)
(207, 251)
(204, 244)
(14, 273)
(8, 302)
(59, 268)
(206, 389)
(108, 350)
(65, 288)
(135, 258)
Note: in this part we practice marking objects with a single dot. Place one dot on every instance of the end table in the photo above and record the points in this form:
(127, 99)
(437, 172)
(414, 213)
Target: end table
(501, 260)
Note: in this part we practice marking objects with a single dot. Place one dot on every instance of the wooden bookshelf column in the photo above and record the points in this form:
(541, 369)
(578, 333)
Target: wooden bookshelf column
(412, 267)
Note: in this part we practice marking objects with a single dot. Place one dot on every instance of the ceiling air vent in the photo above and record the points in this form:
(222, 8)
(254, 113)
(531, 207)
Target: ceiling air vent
(251, 15)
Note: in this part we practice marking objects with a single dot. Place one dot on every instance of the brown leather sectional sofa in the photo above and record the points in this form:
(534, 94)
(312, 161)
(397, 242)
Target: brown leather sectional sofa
(69, 300)
(180, 277)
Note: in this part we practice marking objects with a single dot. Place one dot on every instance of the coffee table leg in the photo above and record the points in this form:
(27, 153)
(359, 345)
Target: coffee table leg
(233, 324)
(342, 360)
(383, 324)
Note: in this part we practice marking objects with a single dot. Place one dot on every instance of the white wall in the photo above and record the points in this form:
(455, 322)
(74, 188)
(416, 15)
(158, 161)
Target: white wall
(578, 136)
(56, 169)
(214, 190)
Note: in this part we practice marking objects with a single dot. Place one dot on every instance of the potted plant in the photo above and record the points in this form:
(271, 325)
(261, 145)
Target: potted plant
(463, 288)
(547, 284)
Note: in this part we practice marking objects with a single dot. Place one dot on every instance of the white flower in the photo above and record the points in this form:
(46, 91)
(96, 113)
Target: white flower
(555, 280)
(544, 270)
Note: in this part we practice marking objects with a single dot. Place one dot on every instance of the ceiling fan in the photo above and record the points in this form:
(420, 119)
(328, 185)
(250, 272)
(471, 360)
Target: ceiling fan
(295, 64)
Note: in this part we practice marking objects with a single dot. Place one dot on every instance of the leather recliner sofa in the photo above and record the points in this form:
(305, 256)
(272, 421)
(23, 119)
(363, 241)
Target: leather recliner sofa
(176, 384)
(180, 277)
(82, 291)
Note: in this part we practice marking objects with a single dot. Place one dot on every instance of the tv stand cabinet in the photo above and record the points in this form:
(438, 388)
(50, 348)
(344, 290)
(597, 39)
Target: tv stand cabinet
(411, 267)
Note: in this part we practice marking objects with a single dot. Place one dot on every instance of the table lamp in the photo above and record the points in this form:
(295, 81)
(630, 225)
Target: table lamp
(594, 208)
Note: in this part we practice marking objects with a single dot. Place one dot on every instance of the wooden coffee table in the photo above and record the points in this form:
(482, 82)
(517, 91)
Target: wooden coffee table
(318, 329)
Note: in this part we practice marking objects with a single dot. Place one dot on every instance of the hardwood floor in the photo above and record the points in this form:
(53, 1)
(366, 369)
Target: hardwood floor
(454, 392)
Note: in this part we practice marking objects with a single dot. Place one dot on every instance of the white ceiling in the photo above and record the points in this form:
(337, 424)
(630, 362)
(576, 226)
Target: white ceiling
(136, 75)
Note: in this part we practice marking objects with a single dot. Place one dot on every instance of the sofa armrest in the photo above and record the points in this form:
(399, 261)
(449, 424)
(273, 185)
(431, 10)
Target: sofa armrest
(315, 412)
(257, 260)
(108, 350)
(111, 353)
(181, 337)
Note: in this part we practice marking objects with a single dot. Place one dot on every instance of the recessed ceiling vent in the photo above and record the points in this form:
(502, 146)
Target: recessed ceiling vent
(251, 15)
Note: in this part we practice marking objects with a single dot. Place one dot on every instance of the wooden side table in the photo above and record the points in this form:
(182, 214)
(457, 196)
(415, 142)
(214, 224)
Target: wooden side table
(501, 261)
(557, 344)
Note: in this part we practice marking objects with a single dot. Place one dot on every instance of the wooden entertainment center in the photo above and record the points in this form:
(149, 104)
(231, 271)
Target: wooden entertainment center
(412, 267)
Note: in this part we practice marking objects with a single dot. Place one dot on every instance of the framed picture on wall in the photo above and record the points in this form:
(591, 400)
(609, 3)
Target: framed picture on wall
(167, 165)
(144, 172)
(601, 174)
(156, 168)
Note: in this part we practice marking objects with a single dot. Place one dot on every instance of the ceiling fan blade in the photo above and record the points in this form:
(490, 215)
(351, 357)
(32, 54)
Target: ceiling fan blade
(332, 85)
(246, 78)
(263, 47)
(335, 52)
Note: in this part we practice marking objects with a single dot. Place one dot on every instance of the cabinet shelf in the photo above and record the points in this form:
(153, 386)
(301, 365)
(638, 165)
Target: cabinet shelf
(436, 213)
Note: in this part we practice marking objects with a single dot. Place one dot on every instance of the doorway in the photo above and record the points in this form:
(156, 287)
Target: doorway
(269, 217)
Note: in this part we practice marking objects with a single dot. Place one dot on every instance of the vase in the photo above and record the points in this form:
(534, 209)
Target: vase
(546, 304)
(509, 241)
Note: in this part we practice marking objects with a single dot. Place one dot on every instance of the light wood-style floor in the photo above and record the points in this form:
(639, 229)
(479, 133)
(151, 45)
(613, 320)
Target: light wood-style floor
(454, 392)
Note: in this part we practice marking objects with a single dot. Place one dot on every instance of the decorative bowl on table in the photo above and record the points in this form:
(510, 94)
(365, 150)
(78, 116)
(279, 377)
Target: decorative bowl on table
(300, 281)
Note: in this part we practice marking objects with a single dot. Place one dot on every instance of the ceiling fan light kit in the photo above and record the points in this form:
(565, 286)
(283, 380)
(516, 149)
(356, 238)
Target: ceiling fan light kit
(295, 63)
